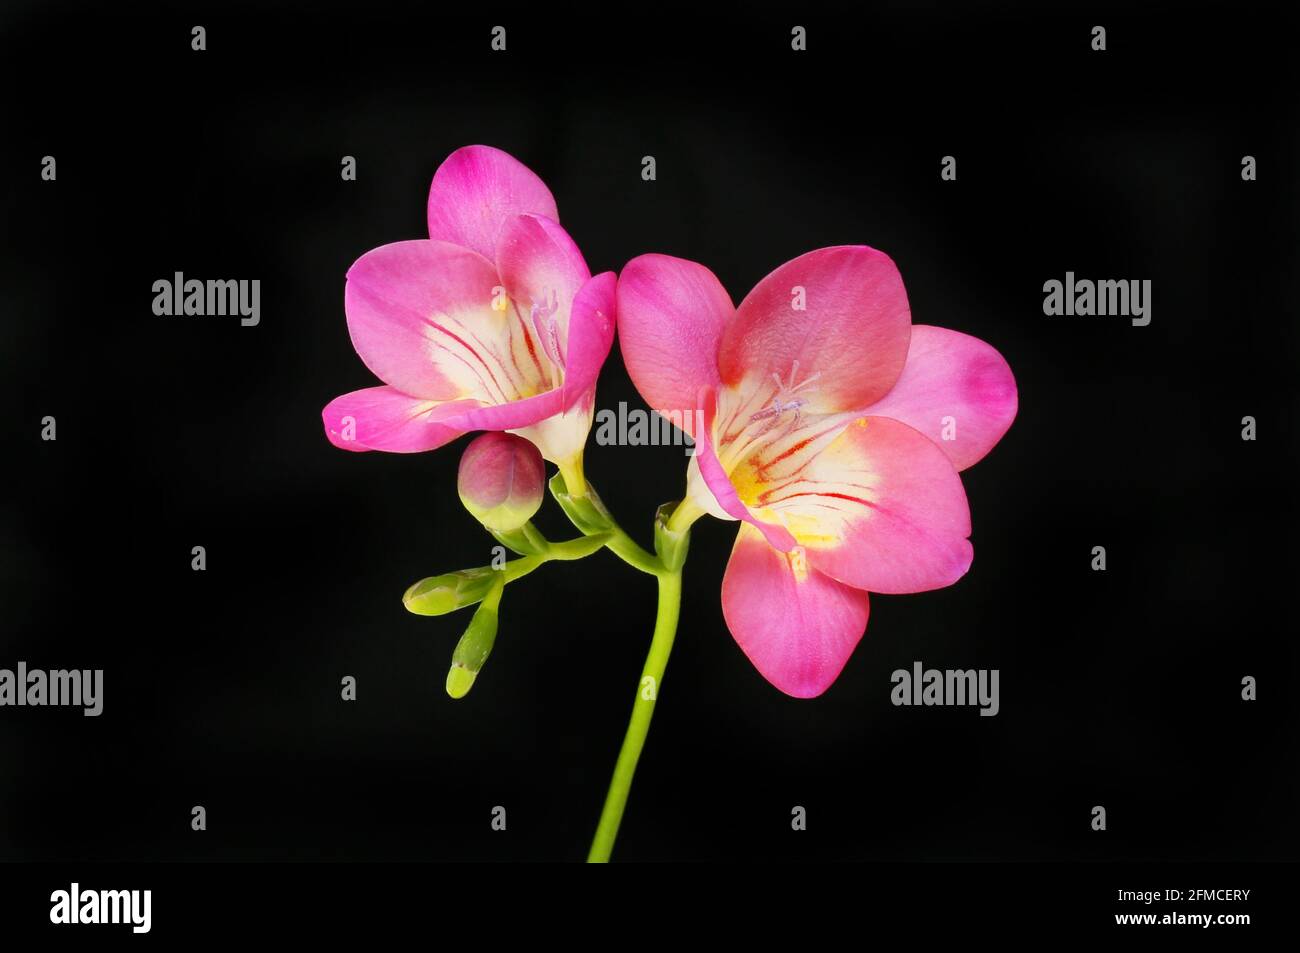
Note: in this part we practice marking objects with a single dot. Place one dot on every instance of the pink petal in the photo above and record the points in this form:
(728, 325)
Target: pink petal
(671, 313)
(542, 270)
(719, 483)
(592, 320)
(846, 349)
(797, 626)
(880, 508)
(420, 315)
(381, 418)
(591, 334)
(953, 375)
(476, 190)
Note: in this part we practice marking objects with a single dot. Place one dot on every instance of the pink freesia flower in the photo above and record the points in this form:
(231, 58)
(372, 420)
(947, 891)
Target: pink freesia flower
(492, 323)
(834, 432)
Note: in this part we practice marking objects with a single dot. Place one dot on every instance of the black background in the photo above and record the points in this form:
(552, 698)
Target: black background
(222, 688)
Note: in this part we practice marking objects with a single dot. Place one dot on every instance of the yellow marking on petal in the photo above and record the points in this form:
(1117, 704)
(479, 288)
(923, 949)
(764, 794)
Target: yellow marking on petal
(798, 563)
(747, 483)
(809, 529)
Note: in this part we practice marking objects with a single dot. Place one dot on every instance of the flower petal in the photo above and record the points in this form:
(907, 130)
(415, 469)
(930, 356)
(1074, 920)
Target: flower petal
(879, 508)
(705, 468)
(591, 334)
(542, 271)
(421, 318)
(796, 625)
(382, 418)
(476, 190)
(592, 320)
(843, 351)
(671, 313)
(953, 375)
(562, 437)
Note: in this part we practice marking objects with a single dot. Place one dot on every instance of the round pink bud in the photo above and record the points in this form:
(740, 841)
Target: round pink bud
(501, 481)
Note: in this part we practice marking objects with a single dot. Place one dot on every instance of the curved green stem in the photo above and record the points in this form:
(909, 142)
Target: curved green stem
(670, 600)
(578, 548)
(586, 511)
(626, 548)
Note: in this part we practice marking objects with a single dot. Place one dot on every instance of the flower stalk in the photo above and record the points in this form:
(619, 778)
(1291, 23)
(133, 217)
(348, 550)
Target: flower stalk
(588, 514)
(643, 706)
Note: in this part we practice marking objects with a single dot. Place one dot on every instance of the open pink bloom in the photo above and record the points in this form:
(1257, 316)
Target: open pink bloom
(492, 323)
(831, 427)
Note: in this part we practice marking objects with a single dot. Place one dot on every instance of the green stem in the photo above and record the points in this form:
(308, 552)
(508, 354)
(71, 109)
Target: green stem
(586, 511)
(579, 548)
(627, 549)
(670, 601)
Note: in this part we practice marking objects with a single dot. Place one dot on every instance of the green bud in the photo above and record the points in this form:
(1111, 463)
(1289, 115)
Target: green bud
(474, 646)
(459, 680)
(438, 595)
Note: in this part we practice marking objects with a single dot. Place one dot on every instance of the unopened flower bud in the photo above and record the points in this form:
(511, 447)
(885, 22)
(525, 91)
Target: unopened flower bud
(439, 595)
(501, 480)
(474, 646)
